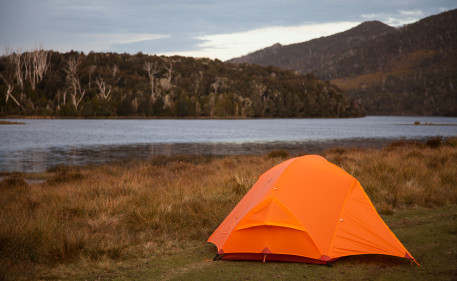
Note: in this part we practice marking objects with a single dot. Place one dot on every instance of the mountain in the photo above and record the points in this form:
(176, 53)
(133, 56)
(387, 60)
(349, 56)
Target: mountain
(47, 83)
(410, 70)
(308, 56)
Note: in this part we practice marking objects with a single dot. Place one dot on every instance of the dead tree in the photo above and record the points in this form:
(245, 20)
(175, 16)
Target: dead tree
(77, 93)
(9, 93)
(116, 77)
(28, 66)
(17, 61)
(104, 90)
(152, 70)
(64, 98)
(216, 84)
(115, 71)
(40, 65)
(169, 71)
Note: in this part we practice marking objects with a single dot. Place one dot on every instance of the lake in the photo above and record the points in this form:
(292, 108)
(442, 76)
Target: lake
(43, 143)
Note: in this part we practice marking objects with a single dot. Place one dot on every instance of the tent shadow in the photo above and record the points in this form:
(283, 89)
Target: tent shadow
(372, 259)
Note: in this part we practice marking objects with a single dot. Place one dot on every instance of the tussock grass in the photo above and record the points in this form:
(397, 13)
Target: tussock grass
(118, 213)
(404, 174)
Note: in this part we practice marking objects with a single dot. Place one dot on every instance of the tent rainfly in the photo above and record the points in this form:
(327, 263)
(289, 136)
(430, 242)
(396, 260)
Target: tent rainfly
(305, 209)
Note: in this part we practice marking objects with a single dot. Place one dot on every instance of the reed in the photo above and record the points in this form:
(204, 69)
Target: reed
(136, 210)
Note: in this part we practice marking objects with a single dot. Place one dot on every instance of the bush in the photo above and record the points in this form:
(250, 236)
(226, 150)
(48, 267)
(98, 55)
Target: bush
(451, 141)
(11, 182)
(278, 154)
(434, 142)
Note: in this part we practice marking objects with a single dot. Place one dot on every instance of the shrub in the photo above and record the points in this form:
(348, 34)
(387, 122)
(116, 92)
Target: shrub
(278, 154)
(434, 142)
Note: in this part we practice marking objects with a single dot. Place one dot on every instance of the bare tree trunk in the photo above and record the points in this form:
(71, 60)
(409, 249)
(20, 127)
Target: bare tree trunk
(78, 93)
(169, 69)
(16, 58)
(152, 70)
(42, 63)
(28, 66)
(216, 84)
(116, 78)
(9, 93)
(103, 91)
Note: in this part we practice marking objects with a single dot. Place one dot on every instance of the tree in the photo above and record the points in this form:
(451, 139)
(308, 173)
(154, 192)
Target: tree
(16, 59)
(40, 65)
(9, 94)
(77, 93)
(104, 91)
(169, 70)
(152, 70)
(91, 71)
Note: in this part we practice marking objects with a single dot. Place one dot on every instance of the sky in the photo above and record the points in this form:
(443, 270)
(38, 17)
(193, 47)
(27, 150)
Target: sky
(221, 29)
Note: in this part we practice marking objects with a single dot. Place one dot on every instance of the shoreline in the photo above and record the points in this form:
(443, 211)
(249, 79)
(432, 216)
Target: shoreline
(98, 155)
(111, 154)
(171, 117)
(206, 117)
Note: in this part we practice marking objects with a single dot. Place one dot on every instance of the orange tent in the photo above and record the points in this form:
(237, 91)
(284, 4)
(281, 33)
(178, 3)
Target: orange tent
(305, 209)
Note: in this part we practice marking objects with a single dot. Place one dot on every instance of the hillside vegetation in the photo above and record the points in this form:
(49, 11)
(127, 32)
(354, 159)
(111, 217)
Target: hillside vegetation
(403, 71)
(47, 83)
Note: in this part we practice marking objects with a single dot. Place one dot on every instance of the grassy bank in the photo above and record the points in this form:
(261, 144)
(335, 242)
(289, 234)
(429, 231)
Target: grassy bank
(146, 220)
(3, 122)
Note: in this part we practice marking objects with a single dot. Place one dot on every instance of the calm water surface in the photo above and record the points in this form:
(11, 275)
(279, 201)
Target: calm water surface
(41, 144)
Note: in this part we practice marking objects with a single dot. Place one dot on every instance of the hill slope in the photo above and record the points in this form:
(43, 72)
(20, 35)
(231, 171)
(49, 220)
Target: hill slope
(47, 83)
(309, 56)
(410, 70)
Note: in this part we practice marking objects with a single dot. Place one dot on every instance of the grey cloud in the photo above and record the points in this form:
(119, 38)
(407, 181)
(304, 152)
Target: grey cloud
(184, 20)
(174, 43)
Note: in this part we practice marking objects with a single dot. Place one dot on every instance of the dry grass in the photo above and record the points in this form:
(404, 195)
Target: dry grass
(144, 210)
(404, 174)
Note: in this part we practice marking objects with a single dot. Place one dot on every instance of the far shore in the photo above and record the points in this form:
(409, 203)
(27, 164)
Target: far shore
(11, 123)
(217, 118)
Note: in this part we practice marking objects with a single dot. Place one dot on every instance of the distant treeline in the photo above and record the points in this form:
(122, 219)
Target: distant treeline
(48, 83)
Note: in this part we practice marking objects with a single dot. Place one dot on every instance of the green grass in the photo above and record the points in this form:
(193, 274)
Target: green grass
(149, 219)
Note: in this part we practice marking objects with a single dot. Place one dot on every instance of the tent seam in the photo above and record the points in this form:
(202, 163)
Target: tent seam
(339, 215)
(234, 227)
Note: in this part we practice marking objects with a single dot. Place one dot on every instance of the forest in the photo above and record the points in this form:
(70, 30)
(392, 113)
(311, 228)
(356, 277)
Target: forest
(73, 84)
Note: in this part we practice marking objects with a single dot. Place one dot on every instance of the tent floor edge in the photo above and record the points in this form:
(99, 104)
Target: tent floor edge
(271, 257)
(218, 257)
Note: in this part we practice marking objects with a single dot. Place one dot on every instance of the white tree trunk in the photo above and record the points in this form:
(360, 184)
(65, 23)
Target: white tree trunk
(77, 93)
(104, 90)
(169, 69)
(152, 70)
(17, 61)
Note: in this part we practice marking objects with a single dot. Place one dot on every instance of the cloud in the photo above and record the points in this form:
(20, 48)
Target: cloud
(212, 28)
(87, 42)
(413, 13)
(229, 45)
(397, 18)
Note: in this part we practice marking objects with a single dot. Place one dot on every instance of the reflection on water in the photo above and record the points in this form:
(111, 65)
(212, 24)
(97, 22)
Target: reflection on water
(39, 160)
(41, 144)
